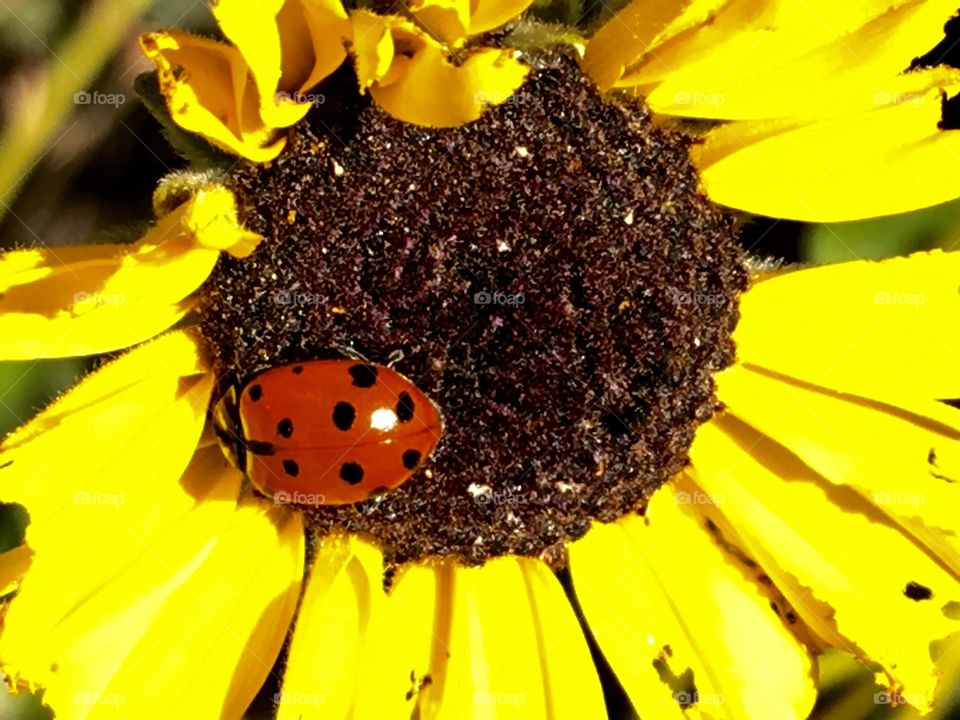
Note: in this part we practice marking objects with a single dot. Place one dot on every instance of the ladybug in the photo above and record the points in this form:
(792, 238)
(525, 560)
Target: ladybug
(334, 431)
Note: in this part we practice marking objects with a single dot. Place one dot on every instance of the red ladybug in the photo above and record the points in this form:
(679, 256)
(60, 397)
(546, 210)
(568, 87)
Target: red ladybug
(327, 431)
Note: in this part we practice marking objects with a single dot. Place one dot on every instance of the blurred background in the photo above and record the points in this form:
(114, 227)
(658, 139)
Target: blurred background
(80, 157)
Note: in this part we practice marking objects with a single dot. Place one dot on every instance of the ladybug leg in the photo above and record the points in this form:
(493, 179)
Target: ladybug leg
(351, 352)
(394, 357)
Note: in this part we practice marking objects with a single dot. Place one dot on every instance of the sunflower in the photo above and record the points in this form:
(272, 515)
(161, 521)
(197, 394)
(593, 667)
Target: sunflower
(658, 455)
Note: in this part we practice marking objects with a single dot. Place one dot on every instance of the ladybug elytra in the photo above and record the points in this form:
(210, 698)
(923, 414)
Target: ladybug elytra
(340, 430)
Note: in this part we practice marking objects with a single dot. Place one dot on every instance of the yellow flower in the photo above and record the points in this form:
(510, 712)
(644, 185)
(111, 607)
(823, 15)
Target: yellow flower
(823, 121)
(237, 96)
(818, 509)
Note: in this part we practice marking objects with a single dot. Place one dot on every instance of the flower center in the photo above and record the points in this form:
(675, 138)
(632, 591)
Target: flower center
(548, 275)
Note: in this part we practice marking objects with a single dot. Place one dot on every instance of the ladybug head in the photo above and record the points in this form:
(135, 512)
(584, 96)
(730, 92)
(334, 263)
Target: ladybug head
(226, 426)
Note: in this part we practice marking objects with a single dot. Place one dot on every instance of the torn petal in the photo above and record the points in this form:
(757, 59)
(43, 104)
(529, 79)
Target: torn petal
(776, 508)
(209, 92)
(409, 75)
(681, 624)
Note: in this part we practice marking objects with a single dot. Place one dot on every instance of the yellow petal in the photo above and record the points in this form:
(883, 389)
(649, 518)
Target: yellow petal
(410, 77)
(207, 89)
(192, 627)
(373, 46)
(137, 417)
(776, 64)
(289, 47)
(109, 457)
(845, 569)
(874, 328)
(93, 539)
(229, 621)
(571, 687)
(343, 609)
(513, 644)
(627, 36)
(888, 158)
(446, 642)
(96, 298)
(896, 457)
(434, 93)
(679, 622)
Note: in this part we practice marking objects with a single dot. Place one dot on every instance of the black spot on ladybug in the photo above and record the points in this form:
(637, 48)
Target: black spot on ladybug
(364, 376)
(285, 428)
(405, 407)
(351, 473)
(343, 415)
(259, 447)
(297, 369)
(917, 592)
(411, 458)
(255, 392)
(291, 468)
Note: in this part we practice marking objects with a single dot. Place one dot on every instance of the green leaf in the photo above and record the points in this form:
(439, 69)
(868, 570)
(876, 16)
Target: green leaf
(193, 148)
